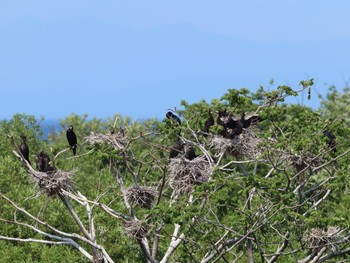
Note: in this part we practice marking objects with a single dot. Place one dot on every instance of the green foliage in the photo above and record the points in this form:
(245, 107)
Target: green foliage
(262, 197)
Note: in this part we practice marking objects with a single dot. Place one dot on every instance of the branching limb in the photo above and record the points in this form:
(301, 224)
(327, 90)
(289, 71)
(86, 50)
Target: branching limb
(61, 240)
(224, 245)
(175, 242)
(75, 216)
(156, 240)
(145, 248)
(104, 207)
(318, 255)
(318, 202)
(281, 248)
(335, 254)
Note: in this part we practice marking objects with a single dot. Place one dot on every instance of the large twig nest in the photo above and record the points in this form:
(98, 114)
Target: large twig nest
(317, 237)
(141, 195)
(184, 174)
(303, 160)
(117, 141)
(135, 229)
(246, 144)
(53, 182)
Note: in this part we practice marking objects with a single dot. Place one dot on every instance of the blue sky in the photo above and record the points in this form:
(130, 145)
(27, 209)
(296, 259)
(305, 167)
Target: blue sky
(140, 58)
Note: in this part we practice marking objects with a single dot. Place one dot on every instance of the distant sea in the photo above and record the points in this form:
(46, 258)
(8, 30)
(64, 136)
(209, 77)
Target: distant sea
(50, 126)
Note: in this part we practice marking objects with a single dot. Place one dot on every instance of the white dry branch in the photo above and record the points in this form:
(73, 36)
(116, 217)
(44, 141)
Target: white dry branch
(55, 234)
(174, 243)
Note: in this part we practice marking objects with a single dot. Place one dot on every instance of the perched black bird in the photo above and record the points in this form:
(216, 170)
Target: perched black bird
(42, 161)
(24, 149)
(173, 117)
(222, 116)
(72, 139)
(190, 153)
(236, 126)
(331, 140)
(209, 122)
(251, 120)
(177, 148)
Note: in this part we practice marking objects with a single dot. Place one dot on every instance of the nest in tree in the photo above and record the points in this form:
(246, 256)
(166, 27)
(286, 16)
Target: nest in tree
(246, 144)
(135, 229)
(184, 174)
(53, 182)
(117, 141)
(300, 162)
(317, 237)
(142, 196)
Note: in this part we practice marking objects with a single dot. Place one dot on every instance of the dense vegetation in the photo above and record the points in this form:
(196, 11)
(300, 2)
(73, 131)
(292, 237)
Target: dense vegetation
(278, 190)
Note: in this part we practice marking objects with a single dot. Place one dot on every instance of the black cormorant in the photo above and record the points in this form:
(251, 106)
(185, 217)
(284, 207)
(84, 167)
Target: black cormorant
(209, 122)
(72, 139)
(173, 117)
(190, 153)
(236, 126)
(251, 120)
(221, 116)
(177, 148)
(24, 149)
(331, 140)
(42, 161)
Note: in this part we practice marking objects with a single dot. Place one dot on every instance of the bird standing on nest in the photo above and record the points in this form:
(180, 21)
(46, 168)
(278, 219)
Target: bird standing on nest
(42, 161)
(24, 149)
(190, 153)
(177, 148)
(72, 139)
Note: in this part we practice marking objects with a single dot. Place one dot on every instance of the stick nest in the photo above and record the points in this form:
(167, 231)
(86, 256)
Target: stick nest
(142, 196)
(117, 141)
(303, 160)
(135, 229)
(317, 237)
(246, 144)
(185, 174)
(53, 182)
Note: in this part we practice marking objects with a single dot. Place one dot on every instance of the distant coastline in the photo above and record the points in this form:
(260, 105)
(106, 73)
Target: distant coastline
(49, 126)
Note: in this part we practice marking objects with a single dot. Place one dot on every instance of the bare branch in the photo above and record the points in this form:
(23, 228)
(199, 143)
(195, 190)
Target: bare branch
(318, 202)
(281, 248)
(175, 242)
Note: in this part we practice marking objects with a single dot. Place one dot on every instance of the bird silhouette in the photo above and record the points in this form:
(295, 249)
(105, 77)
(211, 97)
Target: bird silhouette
(235, 127)
(24, 149)
(173, 117)
(209, 122)
(177, 148)
(331, 140)
(72, 139)
(42, 161)
(190, 153)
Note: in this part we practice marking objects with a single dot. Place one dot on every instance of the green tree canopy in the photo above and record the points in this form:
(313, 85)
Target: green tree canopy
(266, 183)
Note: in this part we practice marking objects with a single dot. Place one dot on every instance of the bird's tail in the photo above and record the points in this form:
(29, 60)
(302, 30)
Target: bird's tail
(74, 148)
